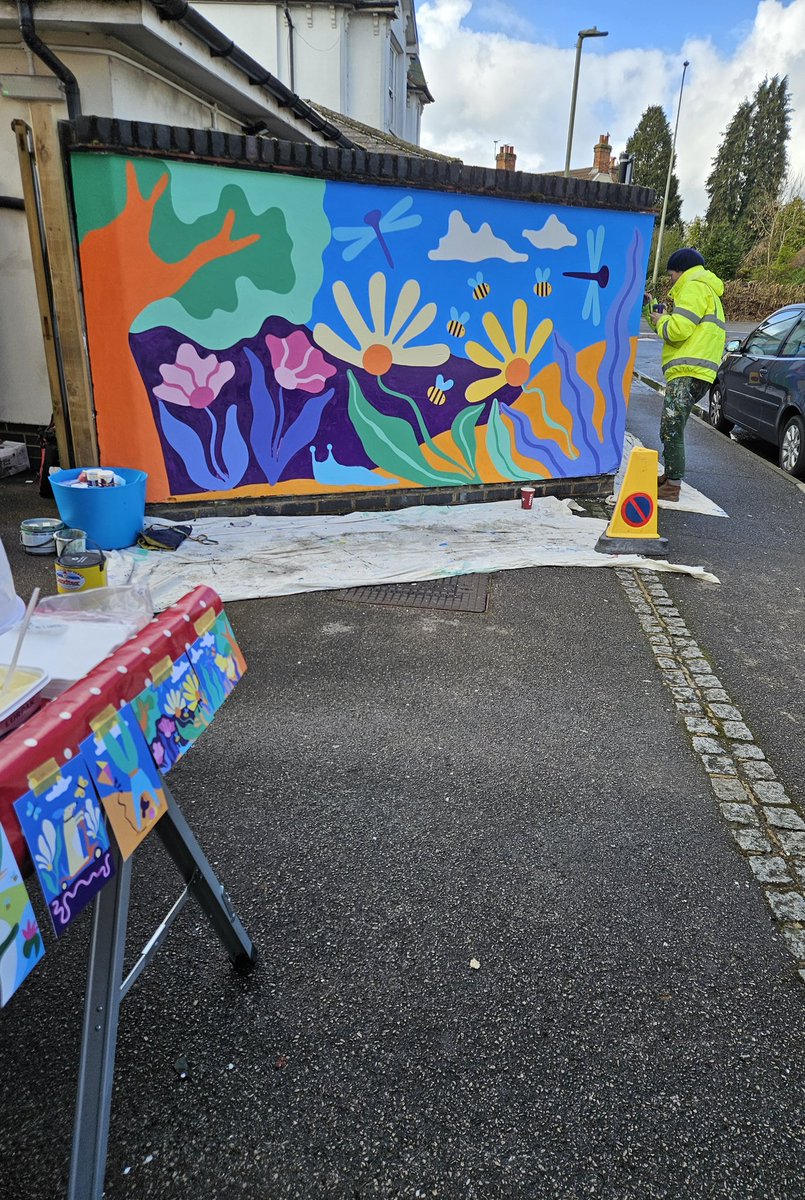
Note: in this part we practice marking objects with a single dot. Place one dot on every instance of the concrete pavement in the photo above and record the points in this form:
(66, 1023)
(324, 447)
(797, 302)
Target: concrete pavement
(391, 793)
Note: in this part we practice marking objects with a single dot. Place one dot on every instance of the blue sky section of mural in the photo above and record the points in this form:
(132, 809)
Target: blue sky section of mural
(410, 344)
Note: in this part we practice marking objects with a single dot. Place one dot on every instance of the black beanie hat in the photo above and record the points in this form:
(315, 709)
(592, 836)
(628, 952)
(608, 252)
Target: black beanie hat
(684, 259)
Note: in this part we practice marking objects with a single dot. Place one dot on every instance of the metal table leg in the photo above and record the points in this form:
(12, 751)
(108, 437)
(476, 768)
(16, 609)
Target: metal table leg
(99, 1036)
(106, 987)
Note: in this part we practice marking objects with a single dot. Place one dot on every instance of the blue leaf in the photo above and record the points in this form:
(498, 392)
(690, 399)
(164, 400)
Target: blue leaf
(235, 452)
(187, 444)
(264, 418)
(302, 431)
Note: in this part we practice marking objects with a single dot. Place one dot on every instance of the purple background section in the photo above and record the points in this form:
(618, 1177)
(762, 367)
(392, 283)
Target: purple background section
(157, 346)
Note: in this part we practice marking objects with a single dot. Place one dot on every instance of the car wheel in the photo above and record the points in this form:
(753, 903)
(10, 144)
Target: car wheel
(792, 448)
(716, 417)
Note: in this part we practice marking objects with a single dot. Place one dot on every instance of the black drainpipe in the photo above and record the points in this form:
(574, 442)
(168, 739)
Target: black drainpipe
(35, 44)
(290, 46)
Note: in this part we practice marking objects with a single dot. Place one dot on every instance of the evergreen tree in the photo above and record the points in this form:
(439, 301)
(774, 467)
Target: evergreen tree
(724, 250)
(766, 158)
(751, 161)
(725, 183)
(651, 146)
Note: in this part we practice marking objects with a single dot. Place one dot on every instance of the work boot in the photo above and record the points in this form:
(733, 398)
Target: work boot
(669, 490)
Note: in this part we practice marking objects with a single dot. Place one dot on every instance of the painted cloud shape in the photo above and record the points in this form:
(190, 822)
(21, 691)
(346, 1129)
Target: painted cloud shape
(553, 235)
(462, 244)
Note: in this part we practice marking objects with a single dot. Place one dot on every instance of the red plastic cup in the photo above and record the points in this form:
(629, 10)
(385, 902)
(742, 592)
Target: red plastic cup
(526, 497)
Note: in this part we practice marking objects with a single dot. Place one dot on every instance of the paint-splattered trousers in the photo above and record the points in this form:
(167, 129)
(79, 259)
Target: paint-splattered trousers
(680, 396)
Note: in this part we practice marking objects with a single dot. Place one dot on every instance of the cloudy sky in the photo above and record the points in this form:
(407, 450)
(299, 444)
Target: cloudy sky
(501, 70)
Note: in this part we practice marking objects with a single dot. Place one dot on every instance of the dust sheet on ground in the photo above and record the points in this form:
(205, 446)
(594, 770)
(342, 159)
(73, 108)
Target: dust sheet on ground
(274, 556)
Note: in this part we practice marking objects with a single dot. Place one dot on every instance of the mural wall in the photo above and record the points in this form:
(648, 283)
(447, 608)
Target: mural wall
(255, 333)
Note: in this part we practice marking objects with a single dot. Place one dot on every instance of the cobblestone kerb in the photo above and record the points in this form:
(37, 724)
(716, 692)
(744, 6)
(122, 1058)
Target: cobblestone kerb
(766, 825)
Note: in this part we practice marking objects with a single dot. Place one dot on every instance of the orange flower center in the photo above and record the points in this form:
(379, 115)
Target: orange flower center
(377, 359)
(517, 372)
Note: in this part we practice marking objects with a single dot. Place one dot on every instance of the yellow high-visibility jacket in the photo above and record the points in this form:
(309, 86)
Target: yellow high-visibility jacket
(694, 333)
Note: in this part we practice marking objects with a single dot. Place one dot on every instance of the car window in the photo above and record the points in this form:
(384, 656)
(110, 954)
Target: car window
(769, 337)
(795, 345)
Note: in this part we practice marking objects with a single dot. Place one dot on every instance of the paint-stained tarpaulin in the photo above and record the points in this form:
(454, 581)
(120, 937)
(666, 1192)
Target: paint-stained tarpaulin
(273, 556)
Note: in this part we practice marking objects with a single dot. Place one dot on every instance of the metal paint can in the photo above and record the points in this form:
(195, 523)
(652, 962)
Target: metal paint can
(65, 536)
(79, 570)
(38, 534)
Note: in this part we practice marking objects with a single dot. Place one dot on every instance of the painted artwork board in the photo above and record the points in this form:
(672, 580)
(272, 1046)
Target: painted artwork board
(286, 335)
(172, 713)
(217, 660)
(125, 777)
(21, 945)
(68, 841)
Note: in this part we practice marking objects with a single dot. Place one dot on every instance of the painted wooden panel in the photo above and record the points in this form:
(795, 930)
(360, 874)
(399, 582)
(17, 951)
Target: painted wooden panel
(256, 333)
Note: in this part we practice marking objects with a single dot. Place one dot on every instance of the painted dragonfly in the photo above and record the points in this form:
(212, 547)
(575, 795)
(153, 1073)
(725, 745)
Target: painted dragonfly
(375, 226)
(597, 275)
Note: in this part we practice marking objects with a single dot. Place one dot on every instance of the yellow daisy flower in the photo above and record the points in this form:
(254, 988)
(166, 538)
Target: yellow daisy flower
(513, 363)
(192, 692)
(380, 346)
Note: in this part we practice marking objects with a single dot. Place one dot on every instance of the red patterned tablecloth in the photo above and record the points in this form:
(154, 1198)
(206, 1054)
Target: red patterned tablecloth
(57, 729)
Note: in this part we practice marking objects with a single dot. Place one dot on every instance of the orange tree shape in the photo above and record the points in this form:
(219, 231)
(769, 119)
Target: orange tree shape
(122, 275)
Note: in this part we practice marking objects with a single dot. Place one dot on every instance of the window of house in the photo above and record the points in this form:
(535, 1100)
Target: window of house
(395, 85)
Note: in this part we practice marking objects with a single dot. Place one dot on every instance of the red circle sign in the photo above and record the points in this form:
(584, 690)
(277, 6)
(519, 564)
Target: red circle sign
(637, 509)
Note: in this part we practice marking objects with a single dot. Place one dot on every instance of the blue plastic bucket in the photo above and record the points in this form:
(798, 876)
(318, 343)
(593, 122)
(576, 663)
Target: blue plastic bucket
(110, 516)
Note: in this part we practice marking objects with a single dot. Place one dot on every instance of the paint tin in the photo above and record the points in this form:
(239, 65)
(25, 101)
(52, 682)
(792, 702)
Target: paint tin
(80, 570)
(38, 534)
(65, 536)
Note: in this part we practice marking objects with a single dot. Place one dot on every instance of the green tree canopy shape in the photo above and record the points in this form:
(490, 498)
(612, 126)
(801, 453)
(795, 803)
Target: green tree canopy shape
(751, 161)
(651, 146)
(725, 183)
(766, 150)
(724, 249)
(230, 297)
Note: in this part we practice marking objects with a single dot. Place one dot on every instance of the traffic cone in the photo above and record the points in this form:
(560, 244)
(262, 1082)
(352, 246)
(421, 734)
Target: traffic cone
(633, 528)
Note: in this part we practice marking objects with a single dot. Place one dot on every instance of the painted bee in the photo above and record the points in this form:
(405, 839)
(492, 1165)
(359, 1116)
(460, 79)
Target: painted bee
(436, 392)
(457, 325)
(480, 289)
(543, 287)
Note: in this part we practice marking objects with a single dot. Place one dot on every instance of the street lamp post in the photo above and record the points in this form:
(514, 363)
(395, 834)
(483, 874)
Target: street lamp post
(661, 231)
(583, 33)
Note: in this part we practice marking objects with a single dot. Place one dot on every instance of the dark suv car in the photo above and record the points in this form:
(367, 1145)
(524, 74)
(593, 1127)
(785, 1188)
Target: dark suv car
(760, 386)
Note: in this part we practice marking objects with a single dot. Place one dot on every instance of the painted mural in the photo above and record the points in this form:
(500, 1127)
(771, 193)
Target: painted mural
(255, 333)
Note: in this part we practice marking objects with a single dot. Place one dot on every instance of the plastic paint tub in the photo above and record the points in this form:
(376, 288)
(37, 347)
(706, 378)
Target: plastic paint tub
(111, 516)
(23, 698)
(38, 534)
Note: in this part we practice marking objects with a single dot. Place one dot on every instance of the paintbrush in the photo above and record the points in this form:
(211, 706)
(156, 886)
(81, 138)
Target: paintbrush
(20, 639)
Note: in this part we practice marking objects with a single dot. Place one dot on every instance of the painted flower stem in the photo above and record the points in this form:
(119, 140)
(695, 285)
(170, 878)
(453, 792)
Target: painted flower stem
(213, 457)
(423, 430)
(277, 441)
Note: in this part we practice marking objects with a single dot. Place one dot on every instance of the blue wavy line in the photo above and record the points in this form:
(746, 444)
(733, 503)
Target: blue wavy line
(614, 360)
(574, 382)
(526, 443)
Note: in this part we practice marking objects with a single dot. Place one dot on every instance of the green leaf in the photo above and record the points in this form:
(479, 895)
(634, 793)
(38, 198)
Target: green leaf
(499, 446)
(390, 442)
(463, 431)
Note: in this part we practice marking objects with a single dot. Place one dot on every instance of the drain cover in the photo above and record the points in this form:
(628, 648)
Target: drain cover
(458, 593)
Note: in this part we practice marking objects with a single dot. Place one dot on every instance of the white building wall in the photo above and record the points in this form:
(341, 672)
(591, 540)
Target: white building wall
(368, 53)
(256, 28)
(110, 86)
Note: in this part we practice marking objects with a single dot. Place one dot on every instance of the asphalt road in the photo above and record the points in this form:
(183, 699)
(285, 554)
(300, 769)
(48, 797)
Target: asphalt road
(391, 793)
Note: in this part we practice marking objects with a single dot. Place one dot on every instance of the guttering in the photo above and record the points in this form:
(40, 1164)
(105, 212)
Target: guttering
(35, 44)
(221, 46)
